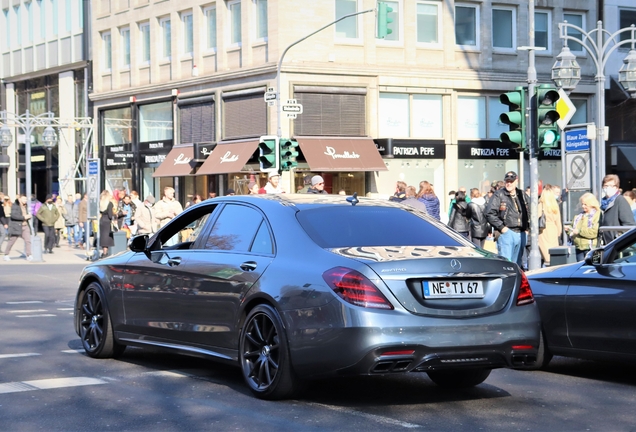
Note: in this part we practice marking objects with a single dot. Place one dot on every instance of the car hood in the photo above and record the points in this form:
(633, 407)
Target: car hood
(405, 270)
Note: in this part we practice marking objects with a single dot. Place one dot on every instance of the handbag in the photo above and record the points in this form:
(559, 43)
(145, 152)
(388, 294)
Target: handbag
(114, 227)
(542, 221)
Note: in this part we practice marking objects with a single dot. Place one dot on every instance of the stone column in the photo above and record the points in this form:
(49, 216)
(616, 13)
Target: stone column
(66, 144)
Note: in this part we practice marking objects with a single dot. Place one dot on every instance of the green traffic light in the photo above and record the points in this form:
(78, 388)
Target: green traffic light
(383, 20)
(515, 118)
(288, 153)
(547, 116)
(267, 157)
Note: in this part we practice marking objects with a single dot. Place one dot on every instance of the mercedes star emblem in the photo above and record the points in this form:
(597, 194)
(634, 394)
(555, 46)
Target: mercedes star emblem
(455, 264)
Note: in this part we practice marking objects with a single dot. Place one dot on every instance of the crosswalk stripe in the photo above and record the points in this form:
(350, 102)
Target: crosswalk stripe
(47, 384)
(24, 302)
(28, 311)
(3, 356)
(35, 316)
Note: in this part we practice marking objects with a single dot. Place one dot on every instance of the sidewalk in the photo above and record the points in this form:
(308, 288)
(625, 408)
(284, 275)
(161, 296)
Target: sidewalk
(65, 254)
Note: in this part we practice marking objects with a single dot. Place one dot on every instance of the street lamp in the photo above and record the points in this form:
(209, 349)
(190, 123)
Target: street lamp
(566, 73)
(28, 122)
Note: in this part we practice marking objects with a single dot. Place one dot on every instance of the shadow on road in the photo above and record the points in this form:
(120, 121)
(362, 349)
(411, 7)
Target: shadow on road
(615, 372)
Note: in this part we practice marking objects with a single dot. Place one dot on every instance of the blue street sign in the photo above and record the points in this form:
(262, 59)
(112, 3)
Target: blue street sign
(576, 140)
(92, 167)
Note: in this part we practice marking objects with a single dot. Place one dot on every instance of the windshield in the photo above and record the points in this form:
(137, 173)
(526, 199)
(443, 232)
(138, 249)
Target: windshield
(349, 226)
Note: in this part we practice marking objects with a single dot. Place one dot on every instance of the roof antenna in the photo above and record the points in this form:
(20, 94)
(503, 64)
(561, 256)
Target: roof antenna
(353, 199)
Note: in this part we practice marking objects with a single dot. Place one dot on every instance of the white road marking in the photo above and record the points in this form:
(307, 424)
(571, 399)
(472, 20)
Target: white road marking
(3, 356)
(35, 316)
(25, 302)
(168, 373)
(77, 351)
(46, 384)
(28, 311)
(65, 309)
(373, 417)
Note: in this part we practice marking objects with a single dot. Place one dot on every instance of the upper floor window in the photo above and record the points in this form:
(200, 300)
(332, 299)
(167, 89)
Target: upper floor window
(235, 22)
(414, 116)
(166, 38)
(577, 20)
(626, 18)
(261, 19)
(18, 21)
(504, 29)
(41, 29)
(347, 28)
(210, 27)
(107, 51)
(67, 16)
(144, 31)
(466, 19)
(428, 22)
(55, 16)
(188, 33)
(29, 8)
(478, 117)
(394, 26)
(7, 25)
(542, 33)
(125, 46)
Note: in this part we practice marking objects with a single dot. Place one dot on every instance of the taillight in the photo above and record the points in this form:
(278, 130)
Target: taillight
(354, 287)
(525, 293)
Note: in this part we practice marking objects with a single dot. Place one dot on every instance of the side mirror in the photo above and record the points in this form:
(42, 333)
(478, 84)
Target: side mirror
(594, 257)
(138, 243)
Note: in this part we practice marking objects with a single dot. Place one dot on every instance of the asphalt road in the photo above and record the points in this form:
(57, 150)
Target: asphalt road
(47, 383)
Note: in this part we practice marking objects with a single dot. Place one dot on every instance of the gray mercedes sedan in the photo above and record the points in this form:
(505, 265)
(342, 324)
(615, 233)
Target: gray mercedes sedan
(294, 287)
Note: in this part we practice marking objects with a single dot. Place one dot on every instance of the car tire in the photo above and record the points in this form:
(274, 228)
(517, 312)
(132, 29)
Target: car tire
(95, 326)
(264, 355)
(461, 378)
(543, 354)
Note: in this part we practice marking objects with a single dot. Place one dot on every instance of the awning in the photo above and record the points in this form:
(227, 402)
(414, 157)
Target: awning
(179, 162)
(228, 157)
(341, 154)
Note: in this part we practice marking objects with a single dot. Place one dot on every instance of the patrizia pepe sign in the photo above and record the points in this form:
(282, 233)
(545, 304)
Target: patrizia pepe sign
(330, 151)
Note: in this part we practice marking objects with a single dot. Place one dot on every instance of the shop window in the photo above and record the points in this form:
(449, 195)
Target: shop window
(196, 123)
(244, 116)
(331, 114)
(155, 122)
(471, 117)
(117, 126)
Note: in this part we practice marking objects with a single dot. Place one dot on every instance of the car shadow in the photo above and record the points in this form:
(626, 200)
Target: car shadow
(608, 371)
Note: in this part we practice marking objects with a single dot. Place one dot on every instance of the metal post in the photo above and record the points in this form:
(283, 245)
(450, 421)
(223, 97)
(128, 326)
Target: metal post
(600, 107)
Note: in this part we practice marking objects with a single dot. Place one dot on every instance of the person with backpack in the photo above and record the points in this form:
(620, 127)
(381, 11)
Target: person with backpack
(479, 227)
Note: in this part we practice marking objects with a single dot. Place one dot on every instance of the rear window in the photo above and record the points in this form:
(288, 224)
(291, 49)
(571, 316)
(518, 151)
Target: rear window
(349, 226)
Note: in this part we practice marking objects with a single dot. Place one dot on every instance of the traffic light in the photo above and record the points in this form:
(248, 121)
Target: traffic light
(383, 20)
(288, 153)
(547, 116)
(268, 153)
(515, 118)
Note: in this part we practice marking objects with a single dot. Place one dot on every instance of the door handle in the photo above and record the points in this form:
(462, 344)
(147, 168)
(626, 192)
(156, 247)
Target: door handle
(174, 261)
(249, 266)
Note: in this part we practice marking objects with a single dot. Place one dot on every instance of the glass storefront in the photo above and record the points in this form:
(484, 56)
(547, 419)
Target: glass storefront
(482, 162)
(118, 153)
(155, 141)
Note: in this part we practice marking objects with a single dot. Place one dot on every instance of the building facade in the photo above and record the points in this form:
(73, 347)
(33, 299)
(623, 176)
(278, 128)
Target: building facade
(179, 89)
(43, 68)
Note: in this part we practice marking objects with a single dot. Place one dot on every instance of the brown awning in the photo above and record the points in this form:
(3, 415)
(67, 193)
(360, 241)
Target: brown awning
(228, 157)
(179, 162)
(341, 154)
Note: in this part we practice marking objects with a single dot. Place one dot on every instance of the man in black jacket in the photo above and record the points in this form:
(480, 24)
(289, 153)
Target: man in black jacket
(317, 185)
(507, 212)
(616, 209)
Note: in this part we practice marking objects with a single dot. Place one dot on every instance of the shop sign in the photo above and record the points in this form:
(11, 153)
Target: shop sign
(154, 152)
(119, 156)
(486, 150)
(411, 149)
(203, 150)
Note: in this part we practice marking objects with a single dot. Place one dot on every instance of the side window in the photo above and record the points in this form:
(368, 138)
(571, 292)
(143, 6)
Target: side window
(235, 229)
(263, 241)
(626, 254)
(182, 232)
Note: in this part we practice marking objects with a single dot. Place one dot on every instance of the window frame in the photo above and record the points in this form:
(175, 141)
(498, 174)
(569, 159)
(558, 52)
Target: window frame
(124, 37)
(582, 51)
(400, 26)
(477, 10)
(257, 36)
(206, 10)
(8, 29)
(625, 35)
(165, 23)
(144, 45)
(188, 36)
(411, 117)
(359, 25)
(513, 36)
(440, 23)
(107, 51)
(231, 28)
(548, 49)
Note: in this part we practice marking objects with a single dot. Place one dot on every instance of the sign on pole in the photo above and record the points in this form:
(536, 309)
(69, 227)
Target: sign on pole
(92, 188)
(577, 166)
(565, 108)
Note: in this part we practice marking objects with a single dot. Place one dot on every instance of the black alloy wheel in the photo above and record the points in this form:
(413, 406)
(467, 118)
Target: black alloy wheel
(264, 355)
(95, 326)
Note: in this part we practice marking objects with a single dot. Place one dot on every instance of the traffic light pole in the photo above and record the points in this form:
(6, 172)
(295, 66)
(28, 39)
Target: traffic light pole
(279, 106)
(534, 258)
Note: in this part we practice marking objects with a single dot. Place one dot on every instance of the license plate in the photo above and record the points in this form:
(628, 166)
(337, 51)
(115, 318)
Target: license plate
(453, 289)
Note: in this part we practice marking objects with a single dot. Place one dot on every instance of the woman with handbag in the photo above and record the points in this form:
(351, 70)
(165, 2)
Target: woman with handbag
(549, 235)
(106, 219)
(584, 231)
(458, 220)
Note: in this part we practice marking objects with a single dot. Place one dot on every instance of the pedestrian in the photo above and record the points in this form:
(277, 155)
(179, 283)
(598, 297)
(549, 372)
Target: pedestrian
(125, 212)
(412, 201)
(584, 230)
(479, 227)
(34, 206)
(507, 213)
(82, 220)
(550, 234)
(60, 223)
(273, 183)
(400, 192)
(317, 185)
(5, 216)
(458, 219)
(631, 200)
(144, 217)
(166, 209)
(306, 185)
(196, 199)
(19, 227)
(70, 215)
(48, 215)
(616, 209)
(252, 188)
(107, 219)
(230, 192)
(426, 195)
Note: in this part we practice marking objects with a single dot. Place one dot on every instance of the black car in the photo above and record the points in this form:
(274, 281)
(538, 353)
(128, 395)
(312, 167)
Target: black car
(305, 286)
(588, 309)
